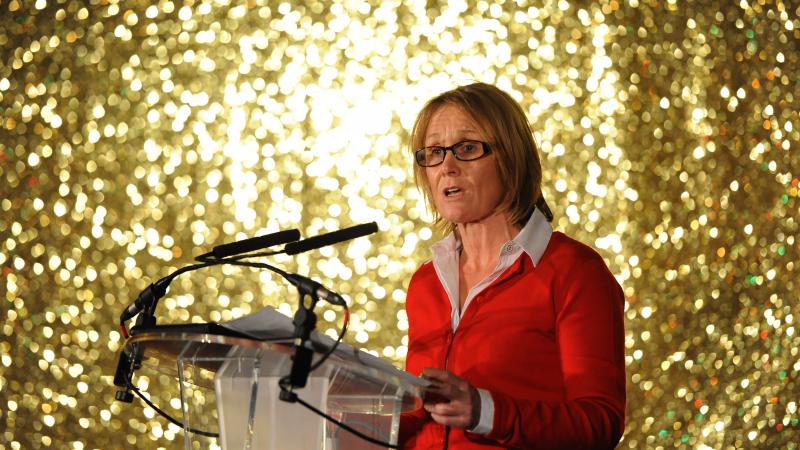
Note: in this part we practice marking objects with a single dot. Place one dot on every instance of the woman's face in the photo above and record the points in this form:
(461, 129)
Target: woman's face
(464, 192)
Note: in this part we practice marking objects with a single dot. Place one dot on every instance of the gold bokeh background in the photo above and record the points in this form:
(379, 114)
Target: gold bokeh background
(137, 135)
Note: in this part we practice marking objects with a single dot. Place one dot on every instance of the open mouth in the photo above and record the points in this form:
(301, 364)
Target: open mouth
(451, 191)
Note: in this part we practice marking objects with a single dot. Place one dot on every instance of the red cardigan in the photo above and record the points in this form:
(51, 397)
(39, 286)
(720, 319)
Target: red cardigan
(547, 342)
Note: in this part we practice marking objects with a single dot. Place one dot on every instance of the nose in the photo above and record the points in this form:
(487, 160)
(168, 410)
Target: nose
(450, 163)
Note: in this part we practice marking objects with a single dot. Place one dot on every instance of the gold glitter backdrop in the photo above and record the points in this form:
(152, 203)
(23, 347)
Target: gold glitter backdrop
(136, 135)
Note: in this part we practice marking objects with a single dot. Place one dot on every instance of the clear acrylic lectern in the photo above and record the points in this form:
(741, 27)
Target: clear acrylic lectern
(241, 375)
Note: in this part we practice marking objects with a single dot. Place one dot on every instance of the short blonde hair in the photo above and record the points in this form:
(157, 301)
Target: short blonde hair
(511, 140)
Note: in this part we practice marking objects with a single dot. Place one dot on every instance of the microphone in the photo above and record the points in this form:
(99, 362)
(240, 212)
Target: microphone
(149, 296)
(310, 287)
(334, 237)
(147, 300)
(255, 243)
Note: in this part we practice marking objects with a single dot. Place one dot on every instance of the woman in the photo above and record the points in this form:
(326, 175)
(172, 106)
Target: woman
(518, 328)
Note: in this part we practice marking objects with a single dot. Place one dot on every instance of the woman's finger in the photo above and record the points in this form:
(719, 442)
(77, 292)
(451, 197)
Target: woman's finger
(450, 400)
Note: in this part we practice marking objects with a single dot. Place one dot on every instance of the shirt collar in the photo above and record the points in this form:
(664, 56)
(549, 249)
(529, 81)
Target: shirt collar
(532, 239)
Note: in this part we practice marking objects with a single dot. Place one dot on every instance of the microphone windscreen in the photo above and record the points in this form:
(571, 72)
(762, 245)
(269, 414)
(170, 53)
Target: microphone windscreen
(255, 243)
(334, 237)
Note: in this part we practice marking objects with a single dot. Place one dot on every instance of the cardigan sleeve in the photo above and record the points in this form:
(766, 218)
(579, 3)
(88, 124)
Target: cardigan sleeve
(410, 424)
(588, 305)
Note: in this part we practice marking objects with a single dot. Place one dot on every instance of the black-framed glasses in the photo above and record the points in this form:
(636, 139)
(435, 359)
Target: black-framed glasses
(462, 151)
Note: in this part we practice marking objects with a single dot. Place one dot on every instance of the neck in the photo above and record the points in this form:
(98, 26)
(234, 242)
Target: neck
(481, 241)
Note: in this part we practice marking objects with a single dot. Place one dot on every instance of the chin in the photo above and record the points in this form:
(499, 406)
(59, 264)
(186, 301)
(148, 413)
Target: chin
(461, 216)
(458, 218)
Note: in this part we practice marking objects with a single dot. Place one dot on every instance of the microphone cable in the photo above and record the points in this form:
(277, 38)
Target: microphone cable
(284, 381)
(166, 415)
(173, 420)
(236, 261)
(340, 424)
(293, 397)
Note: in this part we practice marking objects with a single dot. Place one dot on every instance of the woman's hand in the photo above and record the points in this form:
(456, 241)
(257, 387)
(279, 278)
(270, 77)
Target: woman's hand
(451, 400)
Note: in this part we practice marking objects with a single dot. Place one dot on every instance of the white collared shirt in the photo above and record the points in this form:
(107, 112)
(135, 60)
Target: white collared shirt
(531, 239)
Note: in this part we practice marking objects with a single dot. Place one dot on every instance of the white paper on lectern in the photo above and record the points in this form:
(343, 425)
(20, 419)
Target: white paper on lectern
(269, 324)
